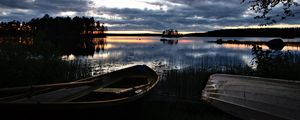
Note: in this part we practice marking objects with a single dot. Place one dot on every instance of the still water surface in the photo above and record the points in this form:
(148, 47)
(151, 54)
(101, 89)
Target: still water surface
(113, 53)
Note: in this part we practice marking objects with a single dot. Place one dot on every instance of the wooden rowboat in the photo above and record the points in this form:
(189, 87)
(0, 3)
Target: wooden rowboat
(114, 88)
(254, 98)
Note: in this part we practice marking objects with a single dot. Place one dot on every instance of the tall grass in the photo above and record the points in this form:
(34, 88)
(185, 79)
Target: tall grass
(188, 83)
(25, 65)
(178, 94)
(276, 64)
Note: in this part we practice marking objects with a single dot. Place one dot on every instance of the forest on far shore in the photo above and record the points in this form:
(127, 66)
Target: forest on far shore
(53, 26)
(251, 32)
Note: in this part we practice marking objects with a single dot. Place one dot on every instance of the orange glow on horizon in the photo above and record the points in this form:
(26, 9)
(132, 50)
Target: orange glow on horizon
(144, 32)
(292, 48)
(105, 46)
(132, 32)
(109, 46)
(185, 41)
(190, 32)
(126, 40)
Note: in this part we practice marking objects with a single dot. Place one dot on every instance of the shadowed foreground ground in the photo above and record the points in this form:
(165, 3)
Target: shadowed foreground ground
(140, 110)
(176, 97)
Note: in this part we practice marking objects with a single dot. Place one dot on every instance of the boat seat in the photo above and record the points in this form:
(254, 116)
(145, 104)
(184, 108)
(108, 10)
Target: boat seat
(119, 90)
(113, 90)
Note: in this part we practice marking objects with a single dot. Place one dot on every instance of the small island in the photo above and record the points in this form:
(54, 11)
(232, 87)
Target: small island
(171, 33)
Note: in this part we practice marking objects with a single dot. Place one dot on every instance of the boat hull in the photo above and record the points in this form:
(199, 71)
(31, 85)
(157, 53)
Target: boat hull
(254, 97)
(79, 102)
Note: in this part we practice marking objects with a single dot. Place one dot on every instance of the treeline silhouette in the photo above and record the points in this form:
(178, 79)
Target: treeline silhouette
(253, 32)
(57, 35)
(53, 27)
(15, 28)
(31, 52)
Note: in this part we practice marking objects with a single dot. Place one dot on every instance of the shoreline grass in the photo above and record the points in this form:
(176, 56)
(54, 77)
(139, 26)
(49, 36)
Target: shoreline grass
(19, 66)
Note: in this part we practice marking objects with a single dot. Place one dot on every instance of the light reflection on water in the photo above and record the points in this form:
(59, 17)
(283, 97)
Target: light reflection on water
(122, 52)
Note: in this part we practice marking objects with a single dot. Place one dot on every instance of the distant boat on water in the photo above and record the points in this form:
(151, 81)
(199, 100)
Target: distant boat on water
(254, 98)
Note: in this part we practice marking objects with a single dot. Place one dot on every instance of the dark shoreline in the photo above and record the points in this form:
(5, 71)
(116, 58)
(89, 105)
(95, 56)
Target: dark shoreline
(193, 35)
(189, 35)
(159, 35)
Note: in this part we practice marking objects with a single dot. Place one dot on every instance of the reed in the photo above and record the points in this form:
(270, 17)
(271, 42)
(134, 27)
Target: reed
(19, 66)
(276, 64)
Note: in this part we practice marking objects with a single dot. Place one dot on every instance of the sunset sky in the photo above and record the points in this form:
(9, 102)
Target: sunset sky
(144, 15)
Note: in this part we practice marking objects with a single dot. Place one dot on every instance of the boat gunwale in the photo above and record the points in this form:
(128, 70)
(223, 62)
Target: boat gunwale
(255, 78)
(93, 78)
(247, 100)
(210, 91)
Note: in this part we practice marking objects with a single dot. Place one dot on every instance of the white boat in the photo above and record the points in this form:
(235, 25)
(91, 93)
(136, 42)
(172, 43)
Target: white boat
(254, 98)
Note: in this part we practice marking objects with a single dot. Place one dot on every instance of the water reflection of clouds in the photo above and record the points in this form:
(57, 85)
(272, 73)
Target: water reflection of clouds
(106, 46)
(103, 55)
(291, 48)
(264, 47)
(248, 61)
(157, 65)
(186, 41)
(203, 46)
(68, 57)
(195, 55)
(237, 46)
(106, 55)
(151, 51)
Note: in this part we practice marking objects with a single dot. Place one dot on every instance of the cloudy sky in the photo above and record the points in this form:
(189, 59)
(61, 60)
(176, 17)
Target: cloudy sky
(143, 15)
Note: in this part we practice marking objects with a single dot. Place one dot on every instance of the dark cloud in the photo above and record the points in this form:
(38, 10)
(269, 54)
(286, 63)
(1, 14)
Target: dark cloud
(16, 4)
(184, 15)
(76, 5)
(26, 9)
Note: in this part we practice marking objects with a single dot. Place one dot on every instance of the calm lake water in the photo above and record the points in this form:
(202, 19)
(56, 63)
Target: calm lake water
(113, 53)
